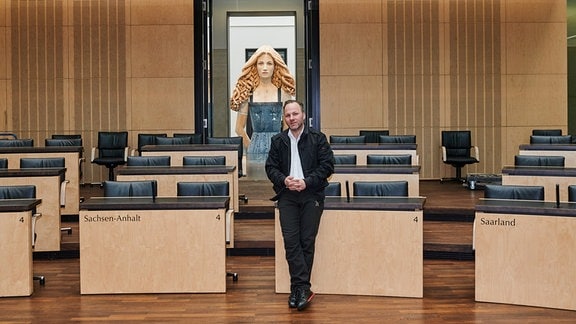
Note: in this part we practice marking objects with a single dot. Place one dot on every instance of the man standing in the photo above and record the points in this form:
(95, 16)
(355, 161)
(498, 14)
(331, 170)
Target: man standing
(298, 164)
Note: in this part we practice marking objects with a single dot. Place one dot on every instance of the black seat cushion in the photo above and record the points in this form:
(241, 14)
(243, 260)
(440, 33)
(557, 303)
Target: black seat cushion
(397, 139)
(514, 192)
(536, 160)
(345, 159)
(148, 161)
(333, 189)
(340, 139)
(26, 163)
(63, 142)
(381, 188)
(146, 188)
(373, 136)
(17, 192)
(204, 160)
(400, 159)
(214, 188)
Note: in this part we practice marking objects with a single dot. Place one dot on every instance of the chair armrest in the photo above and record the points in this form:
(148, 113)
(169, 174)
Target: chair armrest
(35, 216)
(63, 192)
(476, 152)
(444, 153)
(133, 152)
(126, 152)
(92, 154)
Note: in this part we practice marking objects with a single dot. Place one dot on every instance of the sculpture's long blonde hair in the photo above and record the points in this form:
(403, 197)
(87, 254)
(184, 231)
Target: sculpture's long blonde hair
(249, 78)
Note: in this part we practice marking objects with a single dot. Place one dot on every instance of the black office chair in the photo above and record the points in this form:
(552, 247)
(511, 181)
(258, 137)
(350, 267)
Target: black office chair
(112, 151)
(144, 188)
(194, 138)
(539, 160)
(334, 189)
(572, 193)
(3, 163)
(66, 136)
(28, 142)
(237, 140)
(148, 161)
(344, 159)
(214, 188)
(397, 139)
(204, 160)
(63, 142)
(547, 132)
(381, 188)
(389, 159)
(147, 139)
(457, 151)
(514, 192)
(172, 140)
(373, 136)
(24, 192)
(542, 139)
(343, 139)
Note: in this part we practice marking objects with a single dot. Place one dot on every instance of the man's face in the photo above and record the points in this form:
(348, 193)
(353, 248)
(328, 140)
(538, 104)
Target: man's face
(294, 116)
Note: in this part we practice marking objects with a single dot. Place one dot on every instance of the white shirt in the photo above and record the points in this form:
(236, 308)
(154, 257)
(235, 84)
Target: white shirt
(295, 164)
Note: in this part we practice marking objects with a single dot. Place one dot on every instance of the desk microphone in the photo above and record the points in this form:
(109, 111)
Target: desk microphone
(557, 196)
(347, 191)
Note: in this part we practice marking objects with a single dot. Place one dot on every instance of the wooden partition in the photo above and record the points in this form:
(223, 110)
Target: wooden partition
(368, 246)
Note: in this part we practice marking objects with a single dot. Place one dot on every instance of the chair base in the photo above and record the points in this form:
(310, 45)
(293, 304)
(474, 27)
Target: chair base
(40, 278)
(234, 275)
(68, 230)
(457, 178)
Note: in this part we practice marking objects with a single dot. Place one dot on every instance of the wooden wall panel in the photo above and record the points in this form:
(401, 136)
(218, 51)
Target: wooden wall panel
(450, 64)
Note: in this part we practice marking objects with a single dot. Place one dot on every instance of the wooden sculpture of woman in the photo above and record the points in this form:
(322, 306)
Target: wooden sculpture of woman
(263, 86)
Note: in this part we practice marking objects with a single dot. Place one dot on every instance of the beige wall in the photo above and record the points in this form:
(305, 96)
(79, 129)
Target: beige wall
(497, 68)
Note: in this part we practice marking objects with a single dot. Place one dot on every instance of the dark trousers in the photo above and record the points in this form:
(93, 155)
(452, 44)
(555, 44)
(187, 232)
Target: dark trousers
(300, 214)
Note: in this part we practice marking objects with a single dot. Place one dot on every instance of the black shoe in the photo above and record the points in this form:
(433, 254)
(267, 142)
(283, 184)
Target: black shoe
(305, 298)
(293, 299)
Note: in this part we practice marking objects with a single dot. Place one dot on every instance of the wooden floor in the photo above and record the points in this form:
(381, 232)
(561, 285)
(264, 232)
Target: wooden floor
(448, 283)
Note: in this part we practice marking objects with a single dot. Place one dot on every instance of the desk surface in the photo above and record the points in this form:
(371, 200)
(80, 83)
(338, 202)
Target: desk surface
(549, 171)
(188, 169)
(43, 149)
(18, 205)
(32, 172)
(527, 207)
(147, 203)
(189, 147)
(377, 169)
(374, 146)
(548, 147)
(375, 203)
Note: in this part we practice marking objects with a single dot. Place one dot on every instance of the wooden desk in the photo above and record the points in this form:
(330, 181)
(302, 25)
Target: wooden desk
(141, 245)
(568, 151)
(47, 182)
(16, 252)
(168, 177)
(525, 253)
(368, 246)
(363, 150)
(351, 173)
(541, 176)
(71, 155)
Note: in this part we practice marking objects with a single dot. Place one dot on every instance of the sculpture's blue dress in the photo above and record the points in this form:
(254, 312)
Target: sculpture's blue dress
(266, 119)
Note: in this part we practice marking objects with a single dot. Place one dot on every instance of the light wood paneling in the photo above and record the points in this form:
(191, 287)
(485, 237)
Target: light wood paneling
(342, 12)
(5, 52)
(162, 51)
(157, 12)
(527, 102)
(535, 10)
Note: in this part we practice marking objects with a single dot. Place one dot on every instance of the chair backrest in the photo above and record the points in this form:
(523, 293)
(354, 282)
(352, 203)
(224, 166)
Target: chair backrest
(381, 188)
(172, 140)
(539, 160)
(63, 142)
(572, 193)
(146, 188)
(28, 142)
(148, 161)
(3, 163)
(333, 189)
(541, 139)
(66, 136)
(514, 192)
(373, 136)
(204, 160)
(402, 159)
(17, 192)
(214, 188)
(397, 139)
(353, 139)
(457, 143)
(148, 139)
(345, 159)
(547, 132)
(231, 140)
(194, 138)
(27, 163)
(112, 144)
